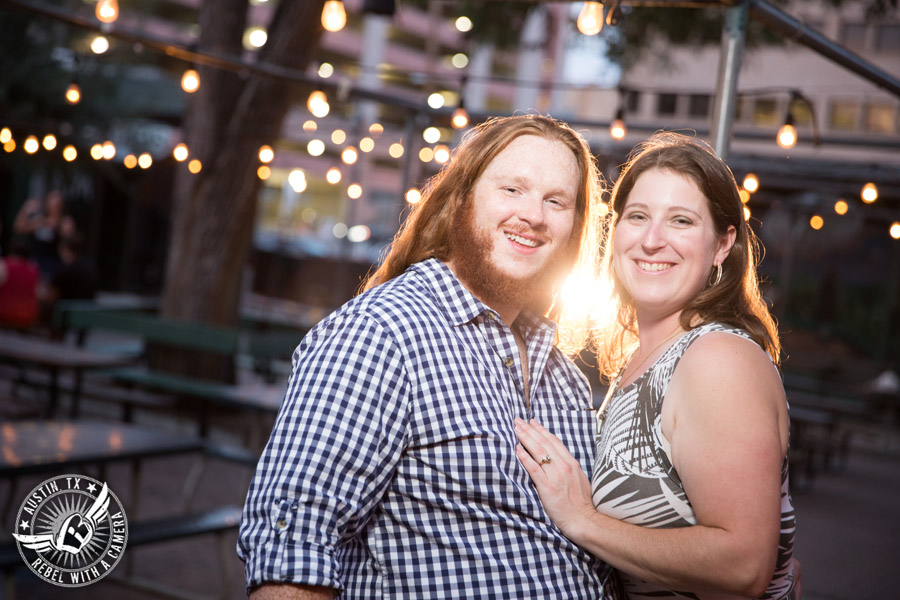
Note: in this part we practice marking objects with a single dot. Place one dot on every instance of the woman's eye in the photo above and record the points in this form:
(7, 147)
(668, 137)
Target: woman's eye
(684, 221)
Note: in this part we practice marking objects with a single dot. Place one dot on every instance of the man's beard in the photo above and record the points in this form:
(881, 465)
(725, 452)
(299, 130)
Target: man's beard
(470, 252)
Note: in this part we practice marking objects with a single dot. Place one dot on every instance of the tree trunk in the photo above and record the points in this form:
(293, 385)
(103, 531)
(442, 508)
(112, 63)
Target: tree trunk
(227, 121)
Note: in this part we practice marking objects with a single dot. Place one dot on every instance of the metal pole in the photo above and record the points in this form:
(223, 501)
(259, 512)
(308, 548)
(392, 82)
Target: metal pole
(733, 32)
(797, 31)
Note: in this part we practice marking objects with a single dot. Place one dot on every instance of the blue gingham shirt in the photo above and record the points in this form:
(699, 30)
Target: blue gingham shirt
(391, 470)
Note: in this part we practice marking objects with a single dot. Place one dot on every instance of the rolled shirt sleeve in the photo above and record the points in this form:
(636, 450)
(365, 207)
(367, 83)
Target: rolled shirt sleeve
(338, 437)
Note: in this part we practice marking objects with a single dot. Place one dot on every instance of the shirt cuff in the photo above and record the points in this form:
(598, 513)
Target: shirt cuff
(286, 562)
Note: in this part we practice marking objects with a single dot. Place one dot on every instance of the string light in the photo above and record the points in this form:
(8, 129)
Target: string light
(334, 17)
(431, 135)
(297, 180)
(99, 44)
(338, 136)
(617, 129)
(317, 103)
(49, 141)
(590, 19)
(109, 151)
(746, 213)
(787, 135)
(97, 151)
(180, 152)
(367, 144)
(255, 38)
(326, 70)
(263, 172)
(190, 81)
(195, 166)
(460, 118)
(413, 196)
(107, 11)
(9, 145)
(70, 153)
(376, 129)
(841, 207)
(333, 175)
(145, 161)
(869, 193)
(751, 183)
(463, 24)
(395, 150)
(441, 154)
(459, 60)
(5, 135)
(349, 155)
(73, 93)
(436, 100)
(359, 233)
(130, 161)
(426, 154)
(354, 191)
(816, 222)
(339, 230)
(310, 126)
(895, 230)
(744, 195)
(31, 144)
(266, 154)
(315, 147)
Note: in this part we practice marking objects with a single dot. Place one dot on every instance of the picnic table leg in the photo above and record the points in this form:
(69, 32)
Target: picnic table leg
(76, 394)
(54, 392)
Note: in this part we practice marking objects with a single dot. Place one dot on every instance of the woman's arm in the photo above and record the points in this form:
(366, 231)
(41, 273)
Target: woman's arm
(727, 424)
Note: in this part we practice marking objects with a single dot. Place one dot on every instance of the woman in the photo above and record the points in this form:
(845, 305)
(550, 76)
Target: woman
(689, 495)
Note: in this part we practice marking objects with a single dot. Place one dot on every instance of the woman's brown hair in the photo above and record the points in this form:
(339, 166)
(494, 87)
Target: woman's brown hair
(736, 299)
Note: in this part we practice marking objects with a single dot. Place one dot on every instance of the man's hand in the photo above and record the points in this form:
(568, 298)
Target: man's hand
(290, 591)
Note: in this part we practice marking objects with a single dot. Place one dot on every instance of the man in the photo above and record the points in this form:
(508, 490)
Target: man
(391, 471)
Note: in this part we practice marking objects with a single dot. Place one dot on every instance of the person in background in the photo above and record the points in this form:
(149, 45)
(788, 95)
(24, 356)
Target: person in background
(19, 279)
(689, 495)
(41, 222)
(75, 279)
(391, 471)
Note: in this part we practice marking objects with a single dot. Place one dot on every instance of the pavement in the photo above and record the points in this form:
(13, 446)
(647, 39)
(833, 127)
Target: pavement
(848, 538)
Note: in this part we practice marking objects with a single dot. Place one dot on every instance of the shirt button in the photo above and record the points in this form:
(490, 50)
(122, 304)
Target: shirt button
(281, 524)
(491, 316)
(508, 362)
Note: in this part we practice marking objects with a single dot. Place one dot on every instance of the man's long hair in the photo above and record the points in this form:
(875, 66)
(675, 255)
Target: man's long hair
(425, 233)
(736, 300)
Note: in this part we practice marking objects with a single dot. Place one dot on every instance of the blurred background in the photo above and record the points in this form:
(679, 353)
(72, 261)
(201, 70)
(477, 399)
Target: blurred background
(186, 186)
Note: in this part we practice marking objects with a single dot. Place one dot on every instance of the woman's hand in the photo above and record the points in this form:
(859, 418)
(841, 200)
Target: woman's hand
(562, 485)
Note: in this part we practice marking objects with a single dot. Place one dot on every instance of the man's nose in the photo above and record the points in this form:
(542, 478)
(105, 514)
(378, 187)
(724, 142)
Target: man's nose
(531, 210)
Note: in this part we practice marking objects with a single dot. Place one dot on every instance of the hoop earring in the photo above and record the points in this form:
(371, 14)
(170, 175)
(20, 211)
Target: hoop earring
(718, 275)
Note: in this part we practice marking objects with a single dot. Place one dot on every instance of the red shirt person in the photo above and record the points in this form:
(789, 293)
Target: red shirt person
(18, 287)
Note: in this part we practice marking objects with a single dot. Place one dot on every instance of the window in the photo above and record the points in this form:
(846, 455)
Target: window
(632, 101)
(765, 113)
(666, 104)
(802, 112)
(887, 38)
(854, 35)
(843, 115)
(880, 118)
(698, 105)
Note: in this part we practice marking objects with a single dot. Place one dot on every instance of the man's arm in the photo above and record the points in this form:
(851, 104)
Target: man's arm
(334, 447)
(289, 591)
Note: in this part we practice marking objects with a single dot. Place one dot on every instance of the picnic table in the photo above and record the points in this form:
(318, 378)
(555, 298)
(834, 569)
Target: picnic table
(55, 357)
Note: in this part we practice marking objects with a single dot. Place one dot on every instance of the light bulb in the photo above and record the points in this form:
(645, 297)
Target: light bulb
(787, 136)
(460, 118)
(841, 207)
(31, 144)
(317, 103)
(895, 230)
(70, 153)
(107, 11)
(751, 183)
(618, 130)
(869, 193)
(73, 93)
(180, 152)
(334, 17)
(190, 81)
(49, 142)
(266, 154)
(590, 20)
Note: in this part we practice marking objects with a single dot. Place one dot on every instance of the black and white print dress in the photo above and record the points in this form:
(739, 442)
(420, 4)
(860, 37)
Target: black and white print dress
(634, 480)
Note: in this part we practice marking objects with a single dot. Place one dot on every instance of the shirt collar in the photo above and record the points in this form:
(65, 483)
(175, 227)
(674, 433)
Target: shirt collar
(461, 306)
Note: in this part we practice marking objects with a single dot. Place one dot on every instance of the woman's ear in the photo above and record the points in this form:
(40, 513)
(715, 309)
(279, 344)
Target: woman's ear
(726, 242)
